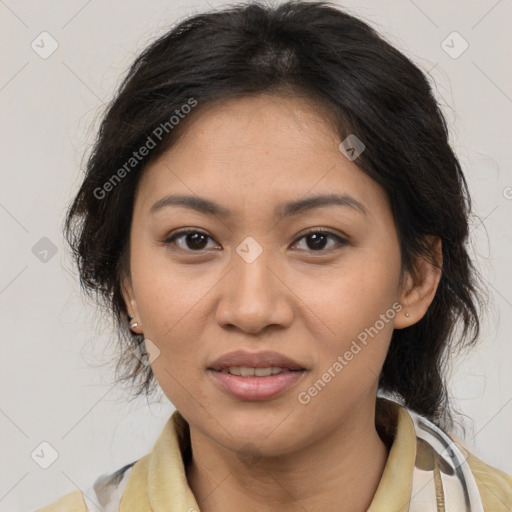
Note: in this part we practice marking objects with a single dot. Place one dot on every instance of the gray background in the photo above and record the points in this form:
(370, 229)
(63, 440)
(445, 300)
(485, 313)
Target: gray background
(56, 385)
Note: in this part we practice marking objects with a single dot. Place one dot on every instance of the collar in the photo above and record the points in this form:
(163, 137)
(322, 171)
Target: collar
(158, 481)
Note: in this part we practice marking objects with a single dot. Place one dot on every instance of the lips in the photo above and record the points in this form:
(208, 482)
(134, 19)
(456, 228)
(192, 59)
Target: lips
(243, 360)
(256, 388)
(255, 376)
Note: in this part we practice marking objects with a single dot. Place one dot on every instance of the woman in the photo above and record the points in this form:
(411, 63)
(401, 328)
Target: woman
(275, 218)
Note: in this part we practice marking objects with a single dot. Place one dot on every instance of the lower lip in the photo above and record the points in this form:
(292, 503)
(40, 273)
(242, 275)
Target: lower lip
(255, 388)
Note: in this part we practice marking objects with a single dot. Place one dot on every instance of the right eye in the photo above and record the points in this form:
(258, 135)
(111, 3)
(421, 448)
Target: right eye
(192, 240)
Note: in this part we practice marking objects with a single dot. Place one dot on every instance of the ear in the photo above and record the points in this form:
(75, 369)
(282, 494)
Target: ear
(420, 285)
(131, 303)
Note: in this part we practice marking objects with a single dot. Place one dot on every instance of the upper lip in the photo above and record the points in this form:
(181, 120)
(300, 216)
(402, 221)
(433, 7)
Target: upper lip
(262, 359)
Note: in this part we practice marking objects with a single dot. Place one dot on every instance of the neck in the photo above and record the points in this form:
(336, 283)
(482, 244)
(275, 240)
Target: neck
(341, 471)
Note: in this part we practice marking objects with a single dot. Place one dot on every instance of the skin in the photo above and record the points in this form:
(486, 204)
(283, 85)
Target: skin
(250, 155)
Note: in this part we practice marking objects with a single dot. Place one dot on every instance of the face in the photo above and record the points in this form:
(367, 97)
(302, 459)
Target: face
(257, 275)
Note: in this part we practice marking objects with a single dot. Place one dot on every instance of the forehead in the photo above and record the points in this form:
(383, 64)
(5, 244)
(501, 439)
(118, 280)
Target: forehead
(257, 147)
(239, 118)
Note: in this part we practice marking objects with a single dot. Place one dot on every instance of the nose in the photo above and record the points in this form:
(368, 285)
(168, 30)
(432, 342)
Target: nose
(255, 295)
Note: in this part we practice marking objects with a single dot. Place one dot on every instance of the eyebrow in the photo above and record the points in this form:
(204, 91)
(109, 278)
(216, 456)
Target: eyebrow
(288, 209)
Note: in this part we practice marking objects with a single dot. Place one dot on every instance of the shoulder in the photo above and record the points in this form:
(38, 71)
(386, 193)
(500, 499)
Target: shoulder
(106, 491)
(495, 486)
(71, 502)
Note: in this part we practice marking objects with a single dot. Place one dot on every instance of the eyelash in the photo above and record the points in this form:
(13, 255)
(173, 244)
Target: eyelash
(341, 241)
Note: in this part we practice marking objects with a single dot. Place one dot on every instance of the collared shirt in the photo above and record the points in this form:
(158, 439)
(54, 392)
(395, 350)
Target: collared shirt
(425, 472)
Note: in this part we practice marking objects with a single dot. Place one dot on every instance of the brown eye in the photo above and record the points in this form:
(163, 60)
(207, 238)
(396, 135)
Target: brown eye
(196, 241)
(190, 240)
(316, 241)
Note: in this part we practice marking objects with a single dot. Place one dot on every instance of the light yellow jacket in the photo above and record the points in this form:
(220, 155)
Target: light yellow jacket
(157, 482)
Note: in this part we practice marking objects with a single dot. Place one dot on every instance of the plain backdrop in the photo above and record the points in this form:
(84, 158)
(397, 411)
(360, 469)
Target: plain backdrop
(56, 386)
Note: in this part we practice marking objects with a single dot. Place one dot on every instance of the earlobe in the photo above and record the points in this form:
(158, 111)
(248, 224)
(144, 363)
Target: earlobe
(131, 305)
(420, 286)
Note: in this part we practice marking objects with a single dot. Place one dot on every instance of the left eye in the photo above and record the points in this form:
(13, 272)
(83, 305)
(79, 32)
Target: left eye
(197, 240)
(317, 239)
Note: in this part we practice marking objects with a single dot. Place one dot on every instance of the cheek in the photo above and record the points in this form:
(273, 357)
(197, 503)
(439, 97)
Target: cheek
(171, 302)
(164, 289)
(351, 295)
(359, 309)
(354, 313)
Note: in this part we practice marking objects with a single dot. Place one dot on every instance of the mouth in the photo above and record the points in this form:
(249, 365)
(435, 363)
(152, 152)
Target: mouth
(250, 362)
(246, 371)
(255, 376)
(254, 387)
